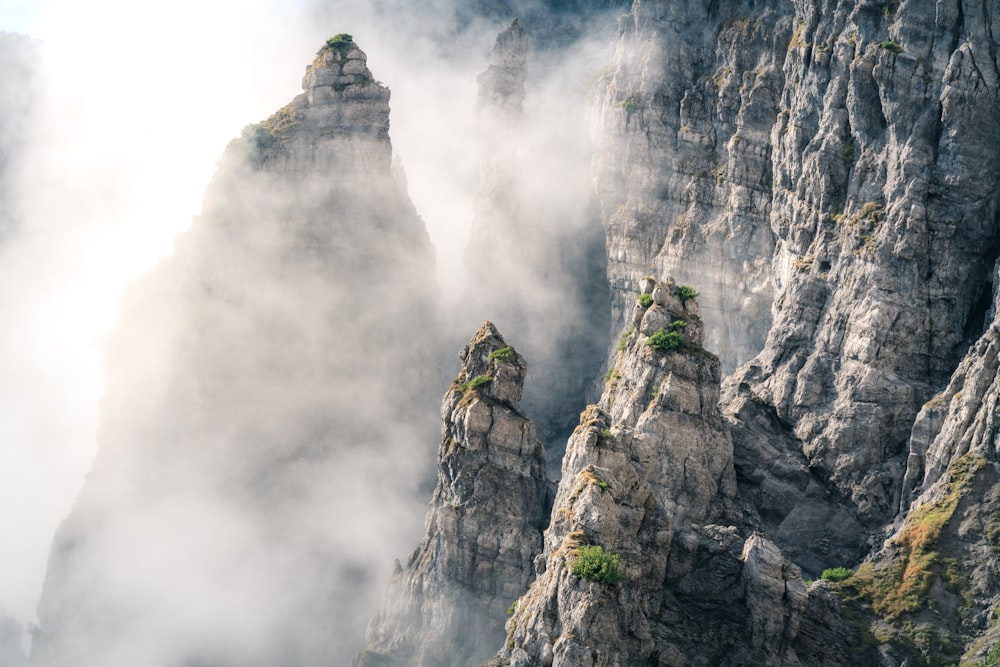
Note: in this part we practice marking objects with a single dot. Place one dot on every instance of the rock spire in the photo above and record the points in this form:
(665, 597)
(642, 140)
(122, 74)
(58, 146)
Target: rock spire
(448, 603)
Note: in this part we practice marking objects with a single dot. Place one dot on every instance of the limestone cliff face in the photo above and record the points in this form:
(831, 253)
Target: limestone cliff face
(818, 171)
(648, 477)
(682, 159)
(535, 260)
(934, 582)
(262, 424)
(834, 159)
(447, 605)
(814, 157)
(886, 240)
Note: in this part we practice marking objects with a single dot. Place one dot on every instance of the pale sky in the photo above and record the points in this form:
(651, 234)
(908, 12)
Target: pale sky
(19, 15)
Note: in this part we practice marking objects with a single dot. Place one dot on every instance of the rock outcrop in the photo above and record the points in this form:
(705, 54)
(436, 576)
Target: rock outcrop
(831, 155)
(759, 149)
(535, 260)
(264, 425)
(933, 585)
(448, 603)
(644, 560)
(825, 174)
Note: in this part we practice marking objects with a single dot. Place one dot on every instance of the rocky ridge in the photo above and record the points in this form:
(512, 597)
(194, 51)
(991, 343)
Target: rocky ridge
(868, 123)
(818, 171)
(810, 169)
(447, 604)
(270, 356)
(648, 478)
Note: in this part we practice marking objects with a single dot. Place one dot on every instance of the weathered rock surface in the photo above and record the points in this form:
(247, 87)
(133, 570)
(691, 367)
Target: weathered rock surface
(448, 603)
(264, 427)
(933, 586)
(831, 154)
(535, 260)
(884, 247)
(682, 159)
(648, 476)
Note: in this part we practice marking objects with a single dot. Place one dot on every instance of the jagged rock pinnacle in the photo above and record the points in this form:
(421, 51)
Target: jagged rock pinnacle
(648, 477)
(448, 603)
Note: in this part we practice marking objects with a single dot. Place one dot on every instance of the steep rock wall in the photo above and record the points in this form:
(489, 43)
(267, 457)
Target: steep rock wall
(885, 205)
(682, 160)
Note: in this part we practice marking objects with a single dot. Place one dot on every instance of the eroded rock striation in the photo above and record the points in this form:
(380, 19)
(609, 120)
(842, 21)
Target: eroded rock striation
(885, 249)
(853, 184)
(448, 603)
(264, 426)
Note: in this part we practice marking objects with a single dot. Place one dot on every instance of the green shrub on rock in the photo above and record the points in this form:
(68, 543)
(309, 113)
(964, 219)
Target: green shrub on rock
(503, 354)
(686, 292)
(594, 564)
(666, 341)
(836, 574)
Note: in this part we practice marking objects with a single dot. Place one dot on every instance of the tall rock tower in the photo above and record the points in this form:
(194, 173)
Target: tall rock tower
(263, 420)
(484, 525)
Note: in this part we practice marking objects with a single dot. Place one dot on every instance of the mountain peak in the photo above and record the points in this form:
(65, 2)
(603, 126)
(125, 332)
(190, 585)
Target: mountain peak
(339, 63)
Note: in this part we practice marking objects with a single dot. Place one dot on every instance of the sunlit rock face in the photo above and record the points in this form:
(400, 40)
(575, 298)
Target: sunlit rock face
(266, 420)
(448, 603)
(807, 169)
(885, 207)
(682, 161)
